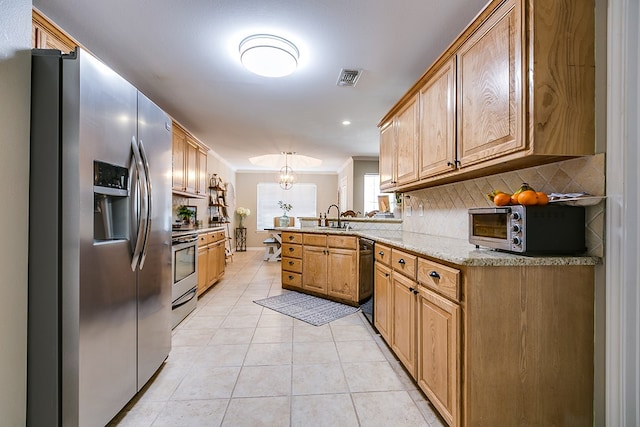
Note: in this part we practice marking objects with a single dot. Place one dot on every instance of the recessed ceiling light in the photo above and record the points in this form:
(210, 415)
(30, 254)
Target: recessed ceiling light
(268, 55)
(346, 122)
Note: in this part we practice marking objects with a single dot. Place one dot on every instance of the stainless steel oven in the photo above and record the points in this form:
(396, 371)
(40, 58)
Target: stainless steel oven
(184, 273)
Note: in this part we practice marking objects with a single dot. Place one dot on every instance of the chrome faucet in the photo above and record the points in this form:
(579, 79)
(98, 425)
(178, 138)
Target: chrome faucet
(338, 209)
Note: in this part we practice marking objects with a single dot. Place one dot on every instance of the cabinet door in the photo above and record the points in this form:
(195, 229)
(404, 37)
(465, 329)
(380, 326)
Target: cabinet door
(490, 87)
(220, 258)
(437, 123)
(386, 159)
(438, 353)
(314, 269)
(201, 184)
(178, 149)
(342, 274)
(202, 270)
(191, 166)
(407, 143)
(212, 265)
(382, 301)
(403, 331)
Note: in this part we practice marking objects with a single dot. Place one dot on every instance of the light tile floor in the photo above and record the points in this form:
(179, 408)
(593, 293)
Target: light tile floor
(235, 363)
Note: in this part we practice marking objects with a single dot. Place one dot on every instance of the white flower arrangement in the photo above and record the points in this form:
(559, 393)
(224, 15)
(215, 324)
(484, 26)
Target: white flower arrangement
(243, 212)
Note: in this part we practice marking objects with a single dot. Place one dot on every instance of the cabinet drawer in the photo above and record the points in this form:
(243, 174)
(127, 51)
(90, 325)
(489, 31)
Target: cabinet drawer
(211, 237)
(292, 251)
(383, 254)
(342, 242)
(404, 263)
(218, 235)
(292, 264)
(289, 237)
(440, 278)
(314, 239)
(203, 240)
(292, 279)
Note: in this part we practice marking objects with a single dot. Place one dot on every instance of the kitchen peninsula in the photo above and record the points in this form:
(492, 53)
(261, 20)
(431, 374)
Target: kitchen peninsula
(491, 338)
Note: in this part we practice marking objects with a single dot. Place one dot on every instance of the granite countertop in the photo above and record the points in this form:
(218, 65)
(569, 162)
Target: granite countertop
(456, 251)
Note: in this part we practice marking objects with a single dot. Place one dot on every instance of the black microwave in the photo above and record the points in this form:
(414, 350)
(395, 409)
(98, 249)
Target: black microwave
(545, 230)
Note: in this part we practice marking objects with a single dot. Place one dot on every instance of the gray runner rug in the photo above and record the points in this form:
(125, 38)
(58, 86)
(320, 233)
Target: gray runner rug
(313, 310)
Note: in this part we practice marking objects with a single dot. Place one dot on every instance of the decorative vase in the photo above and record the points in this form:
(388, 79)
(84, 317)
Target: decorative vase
(284, 221)
(242, 217)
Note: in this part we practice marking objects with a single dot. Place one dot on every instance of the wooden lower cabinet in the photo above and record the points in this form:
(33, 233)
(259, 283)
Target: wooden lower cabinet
(494, 345)
(438, 373)
(382, 297)
(403, 332)
(211, 259)
(314, 269)
(342, 274)
(328, 266)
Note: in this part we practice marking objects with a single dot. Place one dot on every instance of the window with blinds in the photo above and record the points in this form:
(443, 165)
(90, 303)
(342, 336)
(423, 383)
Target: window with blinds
(303, 198)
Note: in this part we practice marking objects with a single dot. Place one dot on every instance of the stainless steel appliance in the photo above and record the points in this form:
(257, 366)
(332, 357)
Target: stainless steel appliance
(184, 288)
(366, 277)
(99, 318)
(550, 229)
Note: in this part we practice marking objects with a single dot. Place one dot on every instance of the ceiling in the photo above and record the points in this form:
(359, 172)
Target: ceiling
(184, 56)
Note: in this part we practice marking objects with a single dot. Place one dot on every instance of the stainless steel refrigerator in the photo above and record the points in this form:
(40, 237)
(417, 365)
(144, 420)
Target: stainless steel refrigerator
(99, 315)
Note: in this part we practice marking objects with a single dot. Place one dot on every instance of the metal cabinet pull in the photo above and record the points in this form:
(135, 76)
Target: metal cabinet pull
(290, 262)
(434, 274)
(381, 253)
(401, 261)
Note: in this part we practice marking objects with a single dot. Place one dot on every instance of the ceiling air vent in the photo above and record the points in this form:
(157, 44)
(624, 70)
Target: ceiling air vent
(348, 77)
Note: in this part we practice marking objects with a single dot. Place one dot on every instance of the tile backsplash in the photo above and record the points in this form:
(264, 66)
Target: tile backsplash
(444, 208)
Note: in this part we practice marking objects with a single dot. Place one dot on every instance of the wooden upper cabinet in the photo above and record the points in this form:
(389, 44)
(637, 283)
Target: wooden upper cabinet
(46, 35)
(438, 122)
(406, 152)
(178, 158)
(490, 86)
(191, 165)
(202, 184)
(386, 160)
(515, 89)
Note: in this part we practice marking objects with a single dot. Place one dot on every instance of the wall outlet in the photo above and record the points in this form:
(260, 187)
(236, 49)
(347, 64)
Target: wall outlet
(420, 210)
(408, 210)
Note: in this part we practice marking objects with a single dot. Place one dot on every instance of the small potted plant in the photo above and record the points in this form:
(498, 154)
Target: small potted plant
(284, 219)
(185, 213)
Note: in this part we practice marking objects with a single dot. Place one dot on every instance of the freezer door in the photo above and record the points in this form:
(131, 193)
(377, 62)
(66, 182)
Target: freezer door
(154, 276)
(99, 286)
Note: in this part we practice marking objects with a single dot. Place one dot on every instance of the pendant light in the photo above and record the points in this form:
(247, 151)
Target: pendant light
(286, 178)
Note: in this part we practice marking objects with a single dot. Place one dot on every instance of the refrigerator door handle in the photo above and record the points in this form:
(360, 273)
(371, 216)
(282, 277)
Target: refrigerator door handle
(142, 214)
(149, 200)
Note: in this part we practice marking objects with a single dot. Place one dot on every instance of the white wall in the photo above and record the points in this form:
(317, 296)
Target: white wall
(15, 80)
(623, 204)
(246, 196)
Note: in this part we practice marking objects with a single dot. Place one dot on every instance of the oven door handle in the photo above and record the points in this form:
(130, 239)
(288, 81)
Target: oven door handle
(184, 299)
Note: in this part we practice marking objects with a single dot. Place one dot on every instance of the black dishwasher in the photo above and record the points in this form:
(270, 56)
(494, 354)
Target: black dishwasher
(366, 277)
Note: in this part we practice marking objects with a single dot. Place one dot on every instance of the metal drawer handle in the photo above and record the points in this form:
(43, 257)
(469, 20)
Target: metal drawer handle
(434, 274)
(290, 277)
(291, 237)
(381, 253)
(401, 261)
(290, 262)
(291, 249)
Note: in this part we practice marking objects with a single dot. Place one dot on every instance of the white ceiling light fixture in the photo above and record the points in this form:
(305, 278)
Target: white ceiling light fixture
(286, 178)
(268, 55)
